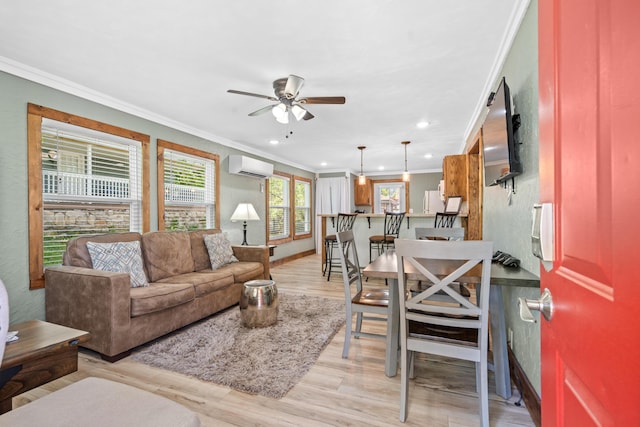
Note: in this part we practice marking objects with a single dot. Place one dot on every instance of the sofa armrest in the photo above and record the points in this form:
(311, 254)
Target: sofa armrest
(254, 253)
(91, 300)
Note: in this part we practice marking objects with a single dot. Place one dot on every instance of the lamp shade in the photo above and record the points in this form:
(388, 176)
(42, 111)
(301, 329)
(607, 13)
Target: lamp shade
(245, 212)
(298, 112)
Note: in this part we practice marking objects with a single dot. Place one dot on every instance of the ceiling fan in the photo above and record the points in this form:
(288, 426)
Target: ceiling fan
(286, 92)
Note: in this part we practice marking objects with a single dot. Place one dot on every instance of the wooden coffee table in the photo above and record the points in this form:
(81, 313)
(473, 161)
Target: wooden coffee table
(44, 352)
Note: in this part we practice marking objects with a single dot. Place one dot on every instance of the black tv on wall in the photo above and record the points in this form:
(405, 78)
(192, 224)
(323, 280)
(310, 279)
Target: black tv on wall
(500, 149)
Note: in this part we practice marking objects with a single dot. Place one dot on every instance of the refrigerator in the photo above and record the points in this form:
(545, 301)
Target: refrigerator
(432, 202)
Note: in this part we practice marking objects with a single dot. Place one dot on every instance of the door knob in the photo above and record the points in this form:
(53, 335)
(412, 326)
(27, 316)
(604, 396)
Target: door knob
(544, 305)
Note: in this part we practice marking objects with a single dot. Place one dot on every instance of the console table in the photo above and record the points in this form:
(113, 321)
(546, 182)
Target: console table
(44, 352)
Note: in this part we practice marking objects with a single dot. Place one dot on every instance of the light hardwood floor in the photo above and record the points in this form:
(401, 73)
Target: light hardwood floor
(336, 391)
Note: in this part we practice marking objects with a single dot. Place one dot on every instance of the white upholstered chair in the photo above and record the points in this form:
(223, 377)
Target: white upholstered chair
(427, 256)
(93, 401)
(358, 299)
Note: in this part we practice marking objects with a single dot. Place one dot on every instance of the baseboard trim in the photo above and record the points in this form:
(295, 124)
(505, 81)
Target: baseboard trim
(528, 393)
(292, 257)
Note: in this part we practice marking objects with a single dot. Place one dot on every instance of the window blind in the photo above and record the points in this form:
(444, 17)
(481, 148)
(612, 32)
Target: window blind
(279, 208)
(91, 184)
(302, 207)
(189, 191)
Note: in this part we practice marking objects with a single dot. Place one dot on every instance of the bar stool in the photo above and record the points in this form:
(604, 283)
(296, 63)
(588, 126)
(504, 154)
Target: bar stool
(445, 220)
(345, 223)
(392, 222)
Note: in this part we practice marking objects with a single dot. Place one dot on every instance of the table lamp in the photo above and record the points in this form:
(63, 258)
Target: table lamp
(245, 212)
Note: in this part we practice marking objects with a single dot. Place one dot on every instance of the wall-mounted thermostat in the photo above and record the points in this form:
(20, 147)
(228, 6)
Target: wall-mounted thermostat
(542, 232)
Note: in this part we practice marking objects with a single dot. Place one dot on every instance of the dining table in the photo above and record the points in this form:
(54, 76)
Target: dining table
(385, 267)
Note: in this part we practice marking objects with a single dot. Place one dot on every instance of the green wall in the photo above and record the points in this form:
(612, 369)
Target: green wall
(14, 269)
(508, 222)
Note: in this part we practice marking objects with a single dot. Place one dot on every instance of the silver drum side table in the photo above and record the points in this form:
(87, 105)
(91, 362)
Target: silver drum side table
(259, 303)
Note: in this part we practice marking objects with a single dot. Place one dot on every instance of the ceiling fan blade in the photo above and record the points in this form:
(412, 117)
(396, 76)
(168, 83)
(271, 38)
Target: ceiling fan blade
(239, 92)
(323, 100)
(293, 86)
(261, 111)
(308, 116)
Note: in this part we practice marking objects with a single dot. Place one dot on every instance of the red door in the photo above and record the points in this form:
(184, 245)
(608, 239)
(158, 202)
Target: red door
(589, 87)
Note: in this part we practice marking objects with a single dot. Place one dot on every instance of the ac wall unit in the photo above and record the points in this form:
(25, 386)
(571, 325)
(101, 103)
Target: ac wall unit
(243, 165)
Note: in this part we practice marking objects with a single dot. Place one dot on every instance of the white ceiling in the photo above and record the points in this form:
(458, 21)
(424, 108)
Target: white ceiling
(396, 62)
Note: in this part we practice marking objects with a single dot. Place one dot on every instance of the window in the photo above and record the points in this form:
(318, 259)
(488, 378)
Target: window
(188, 188)
(279, 208)
(289, 202)
(302, 203)
(390, 196)
(85, 177)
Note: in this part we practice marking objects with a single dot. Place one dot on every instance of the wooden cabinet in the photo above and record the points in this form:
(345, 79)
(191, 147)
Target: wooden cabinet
(455, 173)
(363, 194)
(461, 175)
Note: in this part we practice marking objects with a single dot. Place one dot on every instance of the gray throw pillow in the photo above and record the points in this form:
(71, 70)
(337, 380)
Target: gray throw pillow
(220, 251)
(119, 257)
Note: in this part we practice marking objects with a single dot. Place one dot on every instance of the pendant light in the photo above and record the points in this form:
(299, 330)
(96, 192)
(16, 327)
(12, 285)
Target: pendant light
(361, 179)
(405, 174)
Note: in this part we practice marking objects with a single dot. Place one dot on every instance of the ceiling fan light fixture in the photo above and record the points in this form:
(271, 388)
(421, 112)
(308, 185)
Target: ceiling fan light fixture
(279, 110)
(298, 112)
(286, 91)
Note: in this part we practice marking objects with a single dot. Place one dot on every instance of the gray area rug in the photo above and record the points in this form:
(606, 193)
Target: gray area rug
(266, 361)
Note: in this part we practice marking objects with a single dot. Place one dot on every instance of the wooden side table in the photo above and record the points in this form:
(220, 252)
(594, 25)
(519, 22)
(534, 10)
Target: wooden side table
(44, 352)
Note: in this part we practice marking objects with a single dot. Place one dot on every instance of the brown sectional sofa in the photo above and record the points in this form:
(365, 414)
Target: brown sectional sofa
(182, 288)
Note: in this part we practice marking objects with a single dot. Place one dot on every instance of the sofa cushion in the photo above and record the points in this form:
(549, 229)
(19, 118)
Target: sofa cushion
(220, 252)
(244, 271)
(77, 254)
(119, 257)
(204, 282)
(167, 254)
(199, 251)
(159, 296)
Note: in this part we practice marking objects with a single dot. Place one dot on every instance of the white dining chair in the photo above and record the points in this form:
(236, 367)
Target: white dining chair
(423, 309)
(358, 299)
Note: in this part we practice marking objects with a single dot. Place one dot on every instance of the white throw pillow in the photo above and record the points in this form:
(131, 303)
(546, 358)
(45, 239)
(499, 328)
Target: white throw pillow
(220, 251)
(119, 257)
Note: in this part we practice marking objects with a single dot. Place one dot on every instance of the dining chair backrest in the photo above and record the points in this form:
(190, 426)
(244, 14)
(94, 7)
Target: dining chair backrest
(466, 261)
(392, 223)
(358, 300)
(445, 220)
(467, 254)
(349, 261)
(432, 233)
(345, 221)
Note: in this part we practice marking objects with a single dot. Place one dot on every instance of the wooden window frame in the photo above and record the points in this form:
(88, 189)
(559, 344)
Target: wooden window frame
(382, 181)
(293, 203)
(289, 238)
(164, 145)
(35, 114)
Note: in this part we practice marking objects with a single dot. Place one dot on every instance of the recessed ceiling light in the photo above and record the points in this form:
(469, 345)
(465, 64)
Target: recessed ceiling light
(380, 168)
(428, 156)
(323, 164)
(274, 142)
(422, 125)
